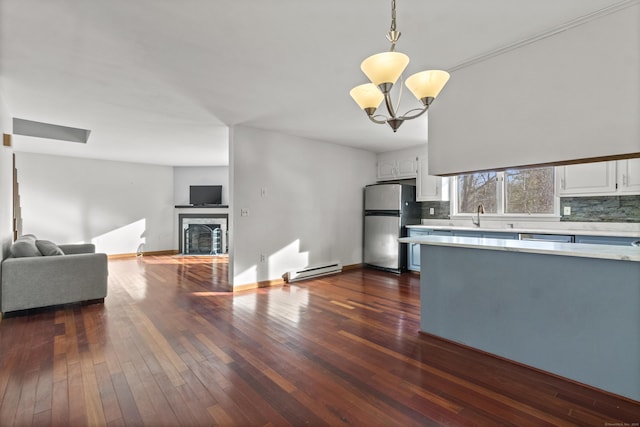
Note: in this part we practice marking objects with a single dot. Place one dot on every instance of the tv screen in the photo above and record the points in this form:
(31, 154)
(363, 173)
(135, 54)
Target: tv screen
(205, 194)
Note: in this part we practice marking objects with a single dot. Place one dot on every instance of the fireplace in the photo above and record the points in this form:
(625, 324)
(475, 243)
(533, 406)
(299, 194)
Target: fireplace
(202, 234)
(203, 239)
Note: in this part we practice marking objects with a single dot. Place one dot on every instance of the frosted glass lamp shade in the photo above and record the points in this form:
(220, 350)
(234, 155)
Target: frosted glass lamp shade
(427, 84)
(384, 67)
(367, 96)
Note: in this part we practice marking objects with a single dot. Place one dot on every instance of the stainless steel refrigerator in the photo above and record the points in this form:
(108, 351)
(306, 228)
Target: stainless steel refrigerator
(388, 209)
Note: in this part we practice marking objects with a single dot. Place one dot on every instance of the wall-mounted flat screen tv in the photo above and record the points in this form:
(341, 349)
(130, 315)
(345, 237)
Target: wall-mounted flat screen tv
(205, 195)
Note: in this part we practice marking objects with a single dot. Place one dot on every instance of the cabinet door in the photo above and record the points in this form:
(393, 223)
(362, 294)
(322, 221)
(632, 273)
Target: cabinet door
(499, 235)
(398, 164)
(427, 186)
(414, 257)
(406, 168)
(607, 240)
(629, 176)
(588, 178)
(466, 233)
(414, 250)
(386, 170)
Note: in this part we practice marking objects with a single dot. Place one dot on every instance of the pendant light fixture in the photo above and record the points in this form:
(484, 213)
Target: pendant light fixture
(383, 70)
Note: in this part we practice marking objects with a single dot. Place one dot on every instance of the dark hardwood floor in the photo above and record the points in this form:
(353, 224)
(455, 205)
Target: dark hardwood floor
(171, 346)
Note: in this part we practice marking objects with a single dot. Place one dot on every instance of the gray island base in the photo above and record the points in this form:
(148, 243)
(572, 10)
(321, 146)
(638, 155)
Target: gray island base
(561, 308)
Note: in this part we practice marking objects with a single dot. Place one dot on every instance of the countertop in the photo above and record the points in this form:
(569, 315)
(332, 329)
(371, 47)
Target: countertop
(622, 253)
(571, 232)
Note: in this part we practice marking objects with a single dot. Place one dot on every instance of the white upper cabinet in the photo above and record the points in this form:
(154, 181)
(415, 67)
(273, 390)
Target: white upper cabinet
(587, 178)
(600, 178)
(386, 169)
(407, 167)
(429, 187)
(412, 163)
(399, 164)
(629, 176)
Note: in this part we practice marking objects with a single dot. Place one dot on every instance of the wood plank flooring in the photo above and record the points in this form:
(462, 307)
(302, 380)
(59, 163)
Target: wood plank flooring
(172, 347)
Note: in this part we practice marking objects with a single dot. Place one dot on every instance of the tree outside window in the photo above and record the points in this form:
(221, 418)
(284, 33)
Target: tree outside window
(475, 189)
(515, 191)
(529, 191)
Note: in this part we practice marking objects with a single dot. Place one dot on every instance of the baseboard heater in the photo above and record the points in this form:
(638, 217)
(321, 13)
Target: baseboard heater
(311, 272)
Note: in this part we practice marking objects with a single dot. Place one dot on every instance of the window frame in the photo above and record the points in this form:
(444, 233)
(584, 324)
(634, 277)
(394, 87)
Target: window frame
(500, 196)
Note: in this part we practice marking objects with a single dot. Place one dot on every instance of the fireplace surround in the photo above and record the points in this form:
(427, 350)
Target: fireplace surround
(202, 234)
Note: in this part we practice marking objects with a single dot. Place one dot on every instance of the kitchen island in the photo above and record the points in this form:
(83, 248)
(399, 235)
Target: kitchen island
(569, 309)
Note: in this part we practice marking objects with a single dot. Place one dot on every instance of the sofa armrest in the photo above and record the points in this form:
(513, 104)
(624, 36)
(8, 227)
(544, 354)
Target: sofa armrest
(52, 280)
(81, 248)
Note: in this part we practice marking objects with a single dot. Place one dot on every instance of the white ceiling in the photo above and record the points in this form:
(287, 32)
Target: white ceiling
(159, 81)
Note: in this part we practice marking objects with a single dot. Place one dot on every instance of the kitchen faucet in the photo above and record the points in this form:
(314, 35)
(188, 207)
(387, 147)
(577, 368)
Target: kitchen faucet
(480, 210)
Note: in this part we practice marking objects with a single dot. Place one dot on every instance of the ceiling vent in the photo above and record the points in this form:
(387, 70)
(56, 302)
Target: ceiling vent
(49, 131)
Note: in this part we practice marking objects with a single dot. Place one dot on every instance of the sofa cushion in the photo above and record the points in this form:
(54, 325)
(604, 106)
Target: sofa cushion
(48, 248)
(25, 246)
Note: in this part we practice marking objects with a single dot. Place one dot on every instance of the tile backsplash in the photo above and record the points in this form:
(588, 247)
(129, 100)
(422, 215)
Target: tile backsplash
(601, 209)
(440, 210)
(583, 209)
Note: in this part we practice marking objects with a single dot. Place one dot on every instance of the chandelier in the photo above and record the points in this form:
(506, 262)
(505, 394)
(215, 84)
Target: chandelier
(383, 70)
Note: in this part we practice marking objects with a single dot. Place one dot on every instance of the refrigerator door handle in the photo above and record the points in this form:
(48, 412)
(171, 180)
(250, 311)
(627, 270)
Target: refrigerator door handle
(381, 213)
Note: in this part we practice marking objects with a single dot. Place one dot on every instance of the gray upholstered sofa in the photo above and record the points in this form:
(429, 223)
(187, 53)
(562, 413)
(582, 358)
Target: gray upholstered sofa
(39, 273)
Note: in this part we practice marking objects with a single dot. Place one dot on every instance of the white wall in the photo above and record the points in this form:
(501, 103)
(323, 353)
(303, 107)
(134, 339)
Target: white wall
(304, 200)
(184, 176)
(573, 95)
(6, 185)
(121, 207)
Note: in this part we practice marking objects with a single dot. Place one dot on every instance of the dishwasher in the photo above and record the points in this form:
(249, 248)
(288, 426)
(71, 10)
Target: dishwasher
(547, 237)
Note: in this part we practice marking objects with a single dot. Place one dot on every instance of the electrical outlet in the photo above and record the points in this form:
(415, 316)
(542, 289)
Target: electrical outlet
(567, 210)
(263, 258)
(244, 212)
(432, 211)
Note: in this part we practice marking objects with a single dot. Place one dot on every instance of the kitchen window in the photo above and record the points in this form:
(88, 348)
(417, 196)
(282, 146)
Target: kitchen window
(512, 192)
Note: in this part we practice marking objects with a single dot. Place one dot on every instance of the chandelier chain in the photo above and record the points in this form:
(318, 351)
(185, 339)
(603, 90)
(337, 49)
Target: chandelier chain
(393, 15)
(393, 35)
